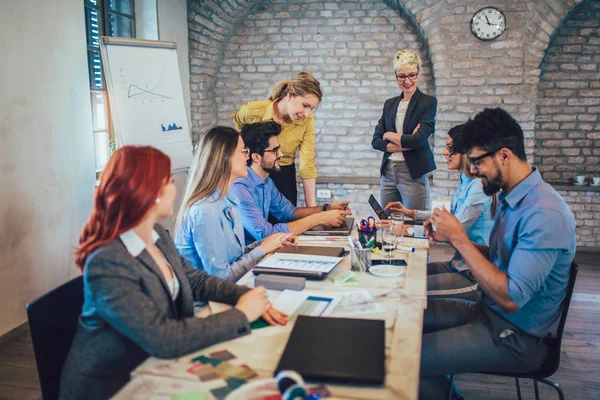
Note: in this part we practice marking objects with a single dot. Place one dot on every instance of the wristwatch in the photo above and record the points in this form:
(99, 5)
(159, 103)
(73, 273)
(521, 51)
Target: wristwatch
(325, 206)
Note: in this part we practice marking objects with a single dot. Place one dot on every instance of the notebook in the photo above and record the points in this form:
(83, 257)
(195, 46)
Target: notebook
(336, 350)
(324, 230)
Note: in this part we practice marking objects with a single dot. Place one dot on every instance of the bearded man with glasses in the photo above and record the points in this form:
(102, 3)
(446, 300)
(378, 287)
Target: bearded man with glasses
(259, 196)
(523, 274)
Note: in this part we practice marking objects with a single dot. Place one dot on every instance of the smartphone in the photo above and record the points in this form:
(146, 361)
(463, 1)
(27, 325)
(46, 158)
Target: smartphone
(392, 261)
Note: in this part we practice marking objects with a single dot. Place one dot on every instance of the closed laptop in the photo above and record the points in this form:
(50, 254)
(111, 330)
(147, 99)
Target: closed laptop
(336, 350)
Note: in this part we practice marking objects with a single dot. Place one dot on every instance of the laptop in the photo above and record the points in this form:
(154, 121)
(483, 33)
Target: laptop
(324, 230)
(381, 213)
(336, 350)
(314, 250)
(385, 214)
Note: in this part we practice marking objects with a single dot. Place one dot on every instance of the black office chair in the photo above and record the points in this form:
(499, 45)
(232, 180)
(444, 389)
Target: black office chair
(53, 322)
(553, 360)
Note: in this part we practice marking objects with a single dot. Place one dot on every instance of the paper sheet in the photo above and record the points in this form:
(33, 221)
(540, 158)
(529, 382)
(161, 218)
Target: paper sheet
(359, 302)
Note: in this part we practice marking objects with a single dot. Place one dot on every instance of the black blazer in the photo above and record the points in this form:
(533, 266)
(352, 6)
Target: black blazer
(421, 110)
(128, 314)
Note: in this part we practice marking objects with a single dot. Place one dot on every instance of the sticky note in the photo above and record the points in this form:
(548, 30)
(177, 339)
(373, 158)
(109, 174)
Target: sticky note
(190, 396)
(222, 355)
(221, 393)
(234, 371)
(259, 323)
(346, 279)
(234, 383)
(207, 360)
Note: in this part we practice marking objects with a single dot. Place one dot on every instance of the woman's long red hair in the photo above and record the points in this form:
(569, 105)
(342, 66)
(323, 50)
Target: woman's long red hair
(129, 187)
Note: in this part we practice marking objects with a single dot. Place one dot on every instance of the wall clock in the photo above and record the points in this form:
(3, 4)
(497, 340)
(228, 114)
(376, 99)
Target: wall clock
(488, 23)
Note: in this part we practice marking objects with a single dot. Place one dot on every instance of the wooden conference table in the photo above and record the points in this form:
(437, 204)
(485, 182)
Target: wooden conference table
(404, 299)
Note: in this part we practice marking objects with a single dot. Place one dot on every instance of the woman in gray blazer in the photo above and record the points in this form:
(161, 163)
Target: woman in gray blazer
(139, 292)
(402, 135)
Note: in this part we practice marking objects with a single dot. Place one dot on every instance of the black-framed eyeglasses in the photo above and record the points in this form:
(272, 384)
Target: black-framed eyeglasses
(478, 161)
(412, 77)
(274, 150)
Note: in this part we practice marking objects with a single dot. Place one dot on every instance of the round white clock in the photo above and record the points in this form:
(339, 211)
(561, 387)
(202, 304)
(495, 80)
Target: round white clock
(488, 23)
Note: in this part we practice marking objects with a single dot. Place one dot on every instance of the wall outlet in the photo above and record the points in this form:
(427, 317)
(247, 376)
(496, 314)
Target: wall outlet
(323, 193)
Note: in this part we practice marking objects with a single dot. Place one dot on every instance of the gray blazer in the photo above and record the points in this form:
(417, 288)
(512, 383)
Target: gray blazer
(128, 314)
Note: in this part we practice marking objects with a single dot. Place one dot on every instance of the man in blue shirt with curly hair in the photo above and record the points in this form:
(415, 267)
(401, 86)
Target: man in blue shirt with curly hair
(523, 274)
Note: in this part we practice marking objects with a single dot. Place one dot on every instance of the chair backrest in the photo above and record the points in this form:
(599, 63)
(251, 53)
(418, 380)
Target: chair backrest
(53, 320)
(553, 360)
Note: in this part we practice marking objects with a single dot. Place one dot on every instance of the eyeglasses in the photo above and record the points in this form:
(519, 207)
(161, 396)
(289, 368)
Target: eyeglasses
(274, 150)
(412, 77)
(245, 151)
(476, 162)
(449, 148)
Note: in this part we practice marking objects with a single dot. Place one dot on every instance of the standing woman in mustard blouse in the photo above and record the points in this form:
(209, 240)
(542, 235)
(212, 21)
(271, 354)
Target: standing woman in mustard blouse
(291, 104)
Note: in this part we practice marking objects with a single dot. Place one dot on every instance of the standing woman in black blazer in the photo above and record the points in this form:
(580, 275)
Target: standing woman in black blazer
(138, 291)
(402, 134)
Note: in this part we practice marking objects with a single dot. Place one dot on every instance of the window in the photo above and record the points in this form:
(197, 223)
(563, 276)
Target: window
(104, 18)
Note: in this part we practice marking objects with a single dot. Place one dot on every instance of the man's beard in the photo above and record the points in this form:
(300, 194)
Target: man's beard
(493, 185)
(275, 167)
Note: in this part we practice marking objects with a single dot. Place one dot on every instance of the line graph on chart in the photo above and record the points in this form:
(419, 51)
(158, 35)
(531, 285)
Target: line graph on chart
(146, 87)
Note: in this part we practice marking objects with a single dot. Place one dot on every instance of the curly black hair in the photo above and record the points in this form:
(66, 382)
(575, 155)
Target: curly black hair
(491, 130)
(256, 136)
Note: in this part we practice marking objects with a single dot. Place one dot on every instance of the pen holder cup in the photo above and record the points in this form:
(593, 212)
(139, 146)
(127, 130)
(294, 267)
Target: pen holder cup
(367, 239)
(360, 259)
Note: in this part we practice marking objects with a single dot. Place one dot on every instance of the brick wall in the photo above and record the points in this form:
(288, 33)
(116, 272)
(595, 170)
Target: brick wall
(567, 140)
(567, 129)
(238, 49)
(348, 46)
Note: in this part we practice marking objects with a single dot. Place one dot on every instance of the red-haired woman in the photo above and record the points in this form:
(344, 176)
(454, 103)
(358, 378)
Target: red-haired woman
(138, 291)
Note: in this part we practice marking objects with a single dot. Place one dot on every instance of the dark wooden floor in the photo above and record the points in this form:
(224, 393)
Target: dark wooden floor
(578, 373)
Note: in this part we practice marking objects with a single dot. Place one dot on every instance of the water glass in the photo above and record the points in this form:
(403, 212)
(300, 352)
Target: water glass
(388, 240)
(360, 259)
(397, 221)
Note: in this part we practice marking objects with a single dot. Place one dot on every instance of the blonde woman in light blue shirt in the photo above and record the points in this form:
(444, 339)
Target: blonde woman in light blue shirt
(209, 230)
(475, 210)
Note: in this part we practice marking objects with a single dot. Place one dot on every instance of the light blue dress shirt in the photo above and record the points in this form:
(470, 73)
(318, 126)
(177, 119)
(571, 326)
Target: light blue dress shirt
(258, 198)
(533, 243)
(211, 238)
(472, 207)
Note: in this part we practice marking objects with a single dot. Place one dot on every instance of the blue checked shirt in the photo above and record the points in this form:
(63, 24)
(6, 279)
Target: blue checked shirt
(257, 199)
(533, 242)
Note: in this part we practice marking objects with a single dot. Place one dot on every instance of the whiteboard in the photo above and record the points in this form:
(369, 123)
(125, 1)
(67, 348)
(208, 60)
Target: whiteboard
(146, 97)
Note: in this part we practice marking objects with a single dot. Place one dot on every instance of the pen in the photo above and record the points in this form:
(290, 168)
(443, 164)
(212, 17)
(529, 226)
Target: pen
(351, 242)
(405, 248)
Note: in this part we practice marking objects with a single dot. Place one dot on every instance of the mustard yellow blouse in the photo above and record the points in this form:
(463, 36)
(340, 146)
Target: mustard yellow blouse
(294, 136)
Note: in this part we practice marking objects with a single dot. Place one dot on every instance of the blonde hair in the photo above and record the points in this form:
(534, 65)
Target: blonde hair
(211, 167)
(405, 59)
(300, 85)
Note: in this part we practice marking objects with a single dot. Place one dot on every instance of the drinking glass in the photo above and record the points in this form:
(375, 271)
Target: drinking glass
(388, 240)
(398, 224)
